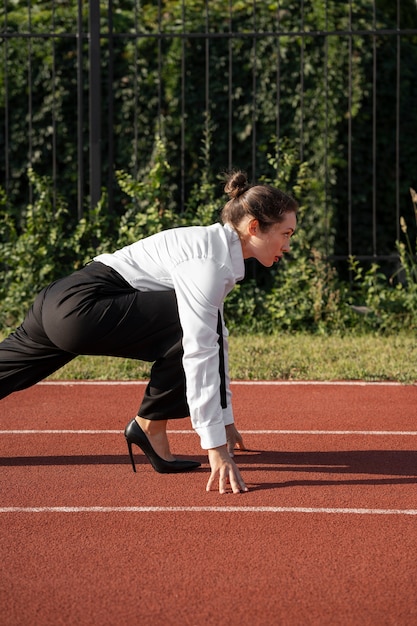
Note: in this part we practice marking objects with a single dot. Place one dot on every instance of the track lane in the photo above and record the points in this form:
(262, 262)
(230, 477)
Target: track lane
(292, 470)
(248, 567)
(208, 569)
(281, 406)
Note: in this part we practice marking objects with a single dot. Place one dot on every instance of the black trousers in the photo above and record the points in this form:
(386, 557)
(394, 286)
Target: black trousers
(95, 311)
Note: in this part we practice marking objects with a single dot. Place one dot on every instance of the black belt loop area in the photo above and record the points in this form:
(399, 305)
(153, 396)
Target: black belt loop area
(223, 400)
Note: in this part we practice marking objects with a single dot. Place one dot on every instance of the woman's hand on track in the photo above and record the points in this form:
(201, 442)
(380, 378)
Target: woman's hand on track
(223, 467)
(234, 439)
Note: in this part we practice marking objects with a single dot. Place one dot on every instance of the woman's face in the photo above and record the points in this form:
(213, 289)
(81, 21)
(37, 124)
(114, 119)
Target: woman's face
(269, 247)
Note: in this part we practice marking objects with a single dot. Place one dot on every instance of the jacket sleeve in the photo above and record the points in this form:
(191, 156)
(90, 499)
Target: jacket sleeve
(201, 286)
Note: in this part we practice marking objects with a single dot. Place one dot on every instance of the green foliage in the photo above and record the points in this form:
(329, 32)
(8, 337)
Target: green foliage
(38, 85)
(380, 66)
(33, 257)
(45, 245)
(388, 305)
(305, 293)
(405, 249)
(150, 207)
(253, 96)
(407, 274)
(294, 99)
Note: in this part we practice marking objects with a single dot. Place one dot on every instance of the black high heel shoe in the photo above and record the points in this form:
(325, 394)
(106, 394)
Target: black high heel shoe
(134, 434)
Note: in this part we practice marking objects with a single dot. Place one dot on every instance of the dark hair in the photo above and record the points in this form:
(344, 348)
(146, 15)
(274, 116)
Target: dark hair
(264, 203)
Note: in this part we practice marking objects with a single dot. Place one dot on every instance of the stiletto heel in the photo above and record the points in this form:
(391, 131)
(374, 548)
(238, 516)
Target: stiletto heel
(134, 434)
(132, 460)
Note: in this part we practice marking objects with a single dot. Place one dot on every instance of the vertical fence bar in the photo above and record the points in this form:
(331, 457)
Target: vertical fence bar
(182, 148)
(349, 191)
(254, 90)
(159, 113)
(374, 131)
(302, 44)
(95, 102)
(6, 109)
(326, 130)
(230, 90)
(135, 97)
(53, 112)
(278, 94)
(207, 68)
(30, 102)
(80, 114)
(110, 114)
(397, 125)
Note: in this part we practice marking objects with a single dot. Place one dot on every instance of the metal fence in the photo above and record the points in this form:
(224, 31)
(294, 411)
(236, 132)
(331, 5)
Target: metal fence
(93, 30)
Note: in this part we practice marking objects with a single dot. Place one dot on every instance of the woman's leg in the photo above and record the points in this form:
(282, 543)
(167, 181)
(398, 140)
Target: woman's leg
(27, 355)
(96, 312)
(164, 395)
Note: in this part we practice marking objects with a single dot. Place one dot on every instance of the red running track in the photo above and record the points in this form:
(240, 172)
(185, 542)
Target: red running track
(327, 534)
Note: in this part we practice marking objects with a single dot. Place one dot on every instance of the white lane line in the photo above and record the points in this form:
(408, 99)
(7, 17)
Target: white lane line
(329, 432)
(385, 433)
(76, 383)
(249, 383)
(204, 509)
(62, 432)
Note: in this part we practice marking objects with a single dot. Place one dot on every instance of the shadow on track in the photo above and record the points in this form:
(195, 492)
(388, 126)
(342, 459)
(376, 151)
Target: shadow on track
(370, 467)
(84, 459)
(387, 463)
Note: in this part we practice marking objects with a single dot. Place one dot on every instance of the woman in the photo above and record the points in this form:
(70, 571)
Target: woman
(161, 299)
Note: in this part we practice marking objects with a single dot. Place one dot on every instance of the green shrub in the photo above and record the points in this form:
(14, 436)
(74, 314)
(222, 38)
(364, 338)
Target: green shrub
(303, 294)
(387, 305)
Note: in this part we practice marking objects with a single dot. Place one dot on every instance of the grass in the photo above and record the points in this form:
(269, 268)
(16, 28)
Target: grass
(311, 357)
(284, 357)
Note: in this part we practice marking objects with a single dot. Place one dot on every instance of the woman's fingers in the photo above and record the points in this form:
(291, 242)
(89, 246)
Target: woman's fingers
(222, 481)
(239, 442)
(234, 439)
(210, 481)
(231, 476)
(225, 470)
(236, 482)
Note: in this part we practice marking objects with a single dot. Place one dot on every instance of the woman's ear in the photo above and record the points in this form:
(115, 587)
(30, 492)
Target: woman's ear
(253, 227)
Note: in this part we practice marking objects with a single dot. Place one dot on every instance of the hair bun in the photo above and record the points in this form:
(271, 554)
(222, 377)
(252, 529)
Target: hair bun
(236, 184)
